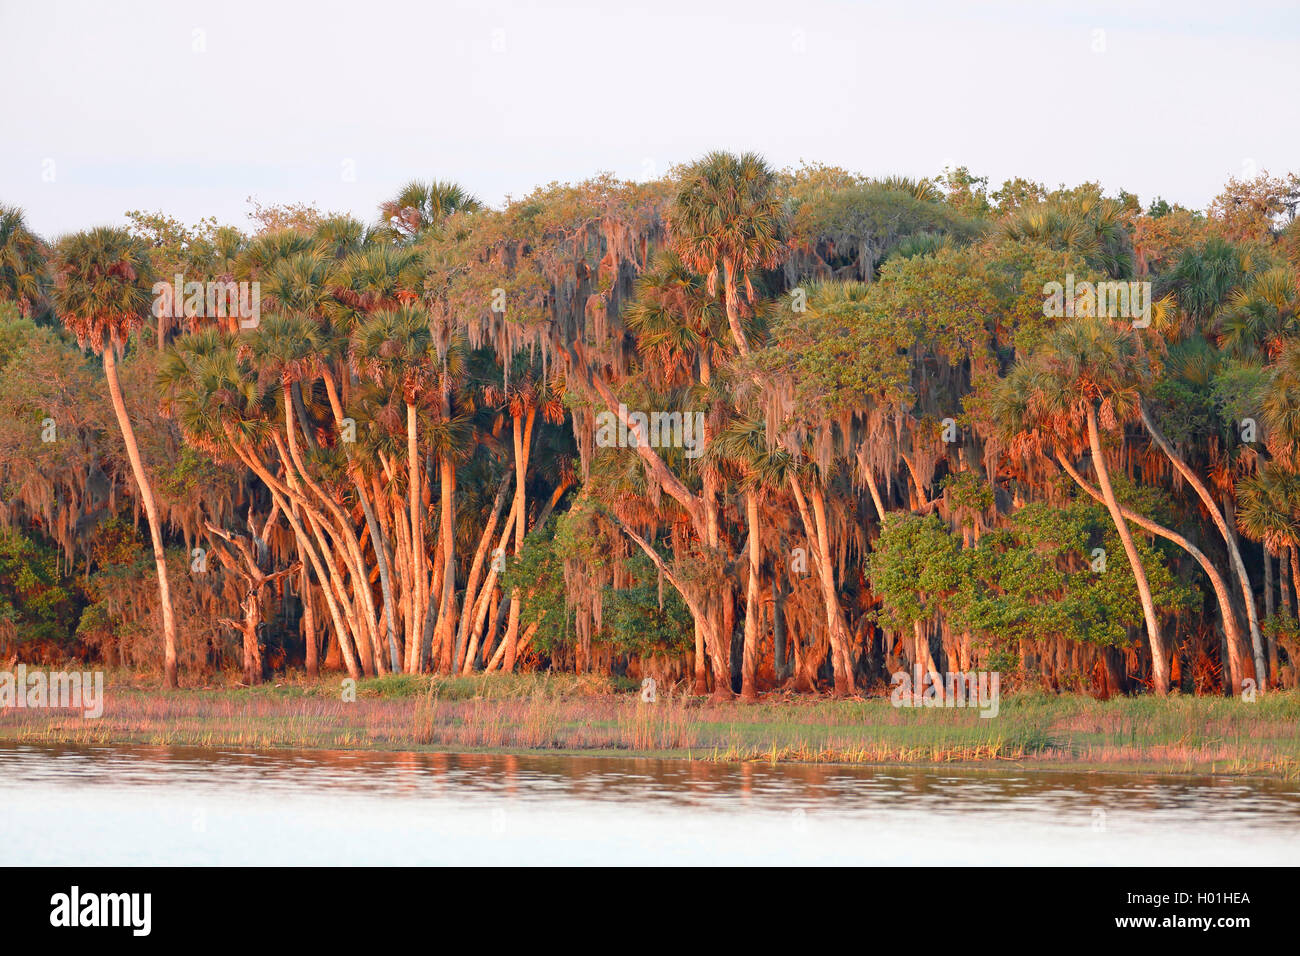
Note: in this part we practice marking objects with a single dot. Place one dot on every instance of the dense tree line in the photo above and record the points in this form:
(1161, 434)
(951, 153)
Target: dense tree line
(743, 428)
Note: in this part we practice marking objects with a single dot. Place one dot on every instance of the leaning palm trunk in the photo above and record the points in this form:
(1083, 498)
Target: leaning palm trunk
(371, 657)
(485, 596)
(151, 513)
(1229, 539)
(378, 541)
(1231, 627)
(690, 596)
(1159, 662)
(328, 546)
(305, 547)
(333, 541)
(692, 504)
(475, 574)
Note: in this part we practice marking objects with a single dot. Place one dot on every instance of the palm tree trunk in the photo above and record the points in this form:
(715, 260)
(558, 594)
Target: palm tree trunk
(779, 653)
(722, 672)
(319, 561)
(1231, 626)
(378, 541)
(841, 648)
(342, 532)
(420, 581)
(447, 617)
(749, 663)
(312, 652)
(1270, 587)
(922, 658)
(470, 601)
(523, 442)
(151, 513)
(719, 649)
(485, 598)
(1230, 539)
(732, 297)
(1159, 662)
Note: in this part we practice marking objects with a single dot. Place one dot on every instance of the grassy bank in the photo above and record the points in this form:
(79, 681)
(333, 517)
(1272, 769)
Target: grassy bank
(566, 714)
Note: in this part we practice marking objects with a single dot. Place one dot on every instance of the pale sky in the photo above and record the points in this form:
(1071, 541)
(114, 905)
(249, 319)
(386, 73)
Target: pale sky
(192, 107)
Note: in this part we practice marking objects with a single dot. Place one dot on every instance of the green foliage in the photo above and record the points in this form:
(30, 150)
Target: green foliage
(649, 617)
(914, 568)
(539, 572)
(1035, 579)
(633, 619)
(38, 604)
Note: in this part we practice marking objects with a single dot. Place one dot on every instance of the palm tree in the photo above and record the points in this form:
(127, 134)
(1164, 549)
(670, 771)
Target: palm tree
(1203, 278)
(728, 221)
(226, 408)
(1088, 226)
(104, 290)
(681, 333)
(420, 206)
(1270, 512)
(23, 276)
(1083, 379)
(286, 350)
(1259, 317)
(1221, 523)
(678, 326)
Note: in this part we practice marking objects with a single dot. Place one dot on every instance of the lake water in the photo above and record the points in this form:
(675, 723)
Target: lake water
(139, 805)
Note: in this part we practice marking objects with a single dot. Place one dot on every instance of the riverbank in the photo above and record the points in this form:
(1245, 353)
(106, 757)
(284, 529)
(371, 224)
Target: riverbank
(563, 714)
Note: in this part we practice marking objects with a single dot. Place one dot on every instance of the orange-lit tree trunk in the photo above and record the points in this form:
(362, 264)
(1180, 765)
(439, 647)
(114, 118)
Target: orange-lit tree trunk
(151, 513)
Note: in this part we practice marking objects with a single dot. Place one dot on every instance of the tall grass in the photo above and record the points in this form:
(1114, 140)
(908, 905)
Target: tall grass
(568, 713)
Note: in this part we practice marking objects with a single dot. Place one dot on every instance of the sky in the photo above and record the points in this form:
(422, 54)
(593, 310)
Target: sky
(191, 107)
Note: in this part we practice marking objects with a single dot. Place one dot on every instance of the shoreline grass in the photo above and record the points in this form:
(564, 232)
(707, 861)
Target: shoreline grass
(597, 716)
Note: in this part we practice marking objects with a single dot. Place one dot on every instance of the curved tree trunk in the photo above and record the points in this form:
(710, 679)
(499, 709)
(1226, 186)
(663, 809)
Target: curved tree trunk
(470, 601)
(485, 598)
(378, 541)
(1231, 625)
(1159, 661)
(318, 560)
(151, 512)
(368, 636)
(837, 628)
(1229, 539)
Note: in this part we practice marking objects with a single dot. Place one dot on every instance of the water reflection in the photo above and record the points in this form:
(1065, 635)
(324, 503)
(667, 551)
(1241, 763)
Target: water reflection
(143, 805)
